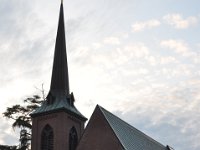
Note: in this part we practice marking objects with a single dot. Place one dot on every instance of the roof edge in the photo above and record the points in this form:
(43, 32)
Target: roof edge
(151, 139)
(83, 118)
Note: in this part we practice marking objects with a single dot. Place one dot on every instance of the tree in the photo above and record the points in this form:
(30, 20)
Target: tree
(6, 147)
(20, 114)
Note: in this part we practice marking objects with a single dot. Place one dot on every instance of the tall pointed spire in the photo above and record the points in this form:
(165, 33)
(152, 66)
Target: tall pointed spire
(60, 79)
(59, 97)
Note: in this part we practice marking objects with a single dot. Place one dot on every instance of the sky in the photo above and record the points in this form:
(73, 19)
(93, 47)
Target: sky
(139, 59)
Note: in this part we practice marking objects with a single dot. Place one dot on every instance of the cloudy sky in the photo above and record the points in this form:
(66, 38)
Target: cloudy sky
(139, 59)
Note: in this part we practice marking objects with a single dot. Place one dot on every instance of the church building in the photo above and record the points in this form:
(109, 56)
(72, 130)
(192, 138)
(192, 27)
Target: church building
(58, 125)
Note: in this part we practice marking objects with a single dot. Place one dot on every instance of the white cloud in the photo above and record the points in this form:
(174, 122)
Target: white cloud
(178, 71)
(137, 50)
(8, 136)
(177, 21)
(152, 60)
(140, 26)
(96, 45)
(179, 47)
(112, 40)
(160, 60)
(168, 60)
(143, 71)
(165, 107)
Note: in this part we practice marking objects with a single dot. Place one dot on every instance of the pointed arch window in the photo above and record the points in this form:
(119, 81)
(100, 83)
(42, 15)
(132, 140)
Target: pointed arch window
(47, 138)
(73, 139)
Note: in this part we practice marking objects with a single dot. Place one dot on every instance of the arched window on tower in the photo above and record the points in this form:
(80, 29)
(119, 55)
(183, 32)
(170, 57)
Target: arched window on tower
(73, 139)
(47, 138)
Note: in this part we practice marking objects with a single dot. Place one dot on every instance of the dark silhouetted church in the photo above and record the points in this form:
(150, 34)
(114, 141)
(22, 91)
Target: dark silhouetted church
(58, 125)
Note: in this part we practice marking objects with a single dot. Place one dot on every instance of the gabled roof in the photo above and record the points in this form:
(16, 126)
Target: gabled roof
(130, 137)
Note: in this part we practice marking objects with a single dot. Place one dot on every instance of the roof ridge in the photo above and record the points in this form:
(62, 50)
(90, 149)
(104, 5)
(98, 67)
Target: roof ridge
(102, 110)
(128, 125)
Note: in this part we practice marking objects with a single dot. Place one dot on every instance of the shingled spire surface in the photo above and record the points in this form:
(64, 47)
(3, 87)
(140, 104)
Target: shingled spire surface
(60, 79)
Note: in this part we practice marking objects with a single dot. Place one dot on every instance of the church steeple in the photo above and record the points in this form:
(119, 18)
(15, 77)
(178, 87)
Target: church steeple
(57, 123)
(59, 97)
(60, 79)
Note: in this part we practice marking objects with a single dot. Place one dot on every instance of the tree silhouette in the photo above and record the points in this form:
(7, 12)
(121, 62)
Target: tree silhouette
(20, 114)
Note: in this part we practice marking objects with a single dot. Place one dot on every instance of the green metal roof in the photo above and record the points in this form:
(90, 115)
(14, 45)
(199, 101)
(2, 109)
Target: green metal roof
(60, 103)
(130, 137)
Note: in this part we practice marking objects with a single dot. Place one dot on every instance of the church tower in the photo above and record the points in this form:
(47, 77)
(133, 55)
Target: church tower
(57, 124)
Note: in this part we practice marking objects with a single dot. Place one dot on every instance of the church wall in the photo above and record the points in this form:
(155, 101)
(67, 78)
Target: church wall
(61, 123)
(98, 135)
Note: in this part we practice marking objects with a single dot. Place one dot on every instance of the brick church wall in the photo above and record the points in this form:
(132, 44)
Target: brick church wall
(98, 135)
(61, 123)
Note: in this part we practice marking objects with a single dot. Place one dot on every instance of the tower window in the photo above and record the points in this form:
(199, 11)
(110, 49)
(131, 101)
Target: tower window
(47, 138)
(73, 139)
